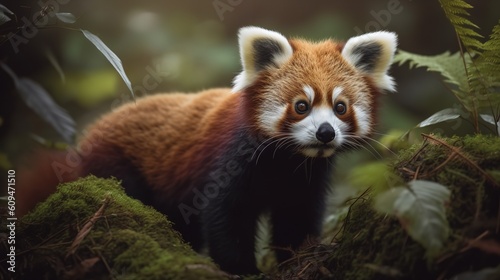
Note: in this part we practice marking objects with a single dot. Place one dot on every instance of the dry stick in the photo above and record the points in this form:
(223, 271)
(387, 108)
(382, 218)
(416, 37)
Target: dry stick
(415, 176)
(420, 150)
(303, 270)
(458, 153)
(415, 155)
(444, 163)
(87, 227)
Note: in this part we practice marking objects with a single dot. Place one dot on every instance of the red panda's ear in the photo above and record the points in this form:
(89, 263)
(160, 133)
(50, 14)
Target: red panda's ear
(372, 54)
(259, 49)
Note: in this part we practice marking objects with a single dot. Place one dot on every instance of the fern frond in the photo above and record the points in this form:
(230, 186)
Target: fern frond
(484, 74)
(450, 66)
(491, 52)
(457, 13)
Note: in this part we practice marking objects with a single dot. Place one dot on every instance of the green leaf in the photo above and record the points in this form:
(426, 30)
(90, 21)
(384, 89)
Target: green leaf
(491, 120)
(420, 208)
(441, 116)
(375, 175)
(111, 56)
(66, 17)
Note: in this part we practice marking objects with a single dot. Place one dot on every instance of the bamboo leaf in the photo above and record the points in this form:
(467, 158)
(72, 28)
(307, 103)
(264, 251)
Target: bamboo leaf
(111, 56)
(53, 60)
(66, 17)
(39, 100)
(4, 14)
(441, 116)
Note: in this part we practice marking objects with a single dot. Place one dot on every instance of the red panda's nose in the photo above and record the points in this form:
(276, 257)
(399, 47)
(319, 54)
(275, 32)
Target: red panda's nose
(325, 133)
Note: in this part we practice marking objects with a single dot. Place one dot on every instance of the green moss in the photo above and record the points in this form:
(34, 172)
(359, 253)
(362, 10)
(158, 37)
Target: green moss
(129, 240)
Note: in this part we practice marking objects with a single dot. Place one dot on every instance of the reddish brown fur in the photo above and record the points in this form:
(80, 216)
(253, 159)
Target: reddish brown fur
(36, 180)
(192, 156)
(170, 136)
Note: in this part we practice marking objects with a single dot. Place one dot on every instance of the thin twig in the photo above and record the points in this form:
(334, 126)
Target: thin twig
(87, 227)
(456, 151)
(342, 228)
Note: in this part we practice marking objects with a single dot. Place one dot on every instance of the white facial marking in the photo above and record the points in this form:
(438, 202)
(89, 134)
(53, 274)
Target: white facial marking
(271, 115)
(304, 132)
(336, 92)
(309, 92)
(363, 120)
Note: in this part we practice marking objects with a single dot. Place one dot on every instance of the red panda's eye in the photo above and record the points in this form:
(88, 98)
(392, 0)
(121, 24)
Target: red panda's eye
(301, 107)
(340, 108)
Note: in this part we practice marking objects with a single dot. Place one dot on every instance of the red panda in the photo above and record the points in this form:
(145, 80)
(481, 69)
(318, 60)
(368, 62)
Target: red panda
(214, 161)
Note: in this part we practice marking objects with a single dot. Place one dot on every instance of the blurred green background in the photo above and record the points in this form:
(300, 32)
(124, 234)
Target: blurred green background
(174, 45)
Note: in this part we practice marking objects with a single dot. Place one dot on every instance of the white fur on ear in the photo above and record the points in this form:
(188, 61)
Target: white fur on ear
(372, 54)
(260, 48)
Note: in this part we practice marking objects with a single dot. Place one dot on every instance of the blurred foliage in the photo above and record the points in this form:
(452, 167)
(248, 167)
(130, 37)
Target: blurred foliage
(81, 86)
(472, 75)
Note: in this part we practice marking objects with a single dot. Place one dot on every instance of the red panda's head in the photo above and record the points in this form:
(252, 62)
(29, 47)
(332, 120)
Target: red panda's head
(315, 96)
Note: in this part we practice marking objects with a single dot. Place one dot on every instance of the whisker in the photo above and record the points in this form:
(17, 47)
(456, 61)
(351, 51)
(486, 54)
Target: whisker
(355, 141)
(300, 164)
(365, 140)
(272, 142)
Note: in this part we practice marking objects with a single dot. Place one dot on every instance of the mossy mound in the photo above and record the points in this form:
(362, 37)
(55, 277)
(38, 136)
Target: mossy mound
(90, 229)
(374, 246)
